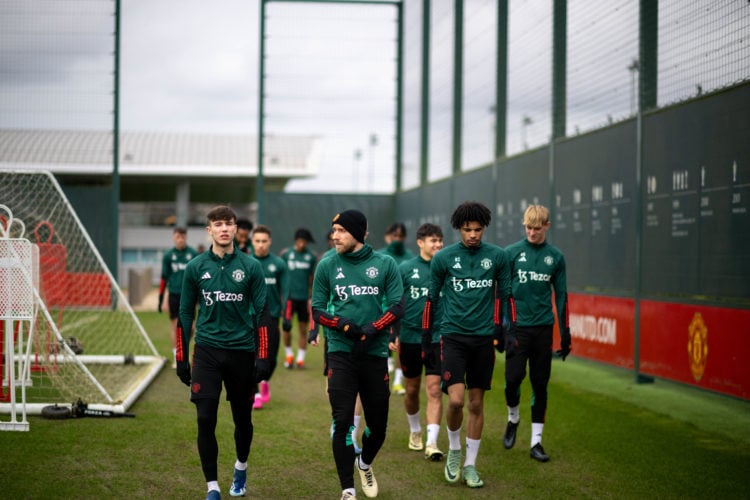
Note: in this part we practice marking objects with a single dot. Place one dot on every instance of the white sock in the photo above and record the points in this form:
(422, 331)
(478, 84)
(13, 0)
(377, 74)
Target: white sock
(432, 433)
(213, 485)
(454, 439)
(513, 414)
(536, 433)
(174, 353)
(414, 422)
(301, 355)
(472, 449)
(357, 420)
(240, 465)
(399, 377)
(289, 352)
(362, 464)
(351, 491)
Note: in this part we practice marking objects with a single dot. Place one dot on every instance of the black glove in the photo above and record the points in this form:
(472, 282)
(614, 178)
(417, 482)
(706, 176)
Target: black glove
(564, 343)
(511, 343)
(286, 325)
(161, 299)
(312, 335)
(370, 330)
(349, 328)
(499, 338)
(262, 369)
(183, 371)
(428, 352)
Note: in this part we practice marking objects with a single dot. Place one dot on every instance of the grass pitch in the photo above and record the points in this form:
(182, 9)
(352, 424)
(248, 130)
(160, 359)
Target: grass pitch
(607, 436)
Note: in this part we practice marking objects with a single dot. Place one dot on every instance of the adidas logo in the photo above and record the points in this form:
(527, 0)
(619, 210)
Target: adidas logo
(206, 276)
(457, 265)
(339, 274)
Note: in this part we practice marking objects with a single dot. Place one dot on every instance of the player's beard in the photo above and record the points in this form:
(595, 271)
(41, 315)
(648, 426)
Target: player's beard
(346, 248)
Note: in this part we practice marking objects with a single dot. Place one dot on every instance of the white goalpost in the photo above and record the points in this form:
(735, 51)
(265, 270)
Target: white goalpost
(80, 339)
(19, 275)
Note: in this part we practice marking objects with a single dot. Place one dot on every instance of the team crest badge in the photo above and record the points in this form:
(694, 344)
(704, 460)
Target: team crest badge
(697, 346)
(238, 275)
(549, 260)
(486, 263)
(372, 272)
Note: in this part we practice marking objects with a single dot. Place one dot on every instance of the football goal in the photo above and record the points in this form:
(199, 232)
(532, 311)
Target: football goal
(79, 339)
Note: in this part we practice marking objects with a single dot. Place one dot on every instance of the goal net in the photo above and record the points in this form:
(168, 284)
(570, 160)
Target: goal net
(83, 340)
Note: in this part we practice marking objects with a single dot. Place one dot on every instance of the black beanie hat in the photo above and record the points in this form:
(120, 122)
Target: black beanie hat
(353, 221)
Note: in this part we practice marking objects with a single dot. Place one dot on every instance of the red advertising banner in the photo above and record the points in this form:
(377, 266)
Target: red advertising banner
(703, 346)
(707, 347)
(602, 328)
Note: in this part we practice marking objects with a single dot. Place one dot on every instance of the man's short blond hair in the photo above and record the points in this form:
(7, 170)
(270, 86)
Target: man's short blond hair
(536, 215)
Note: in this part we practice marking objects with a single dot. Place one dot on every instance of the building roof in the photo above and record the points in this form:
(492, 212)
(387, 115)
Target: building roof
(159, 154)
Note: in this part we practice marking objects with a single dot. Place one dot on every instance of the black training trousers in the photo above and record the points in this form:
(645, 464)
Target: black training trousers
(534, 346)
(349, 375)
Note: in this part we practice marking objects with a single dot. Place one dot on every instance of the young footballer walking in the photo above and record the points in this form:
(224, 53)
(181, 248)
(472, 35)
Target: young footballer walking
(300, 261)
(173, 265)
(395, 234)
(537, 269)
(356, 296)
(231, 343)
(277, 283)
(466, 278)
(407, 340)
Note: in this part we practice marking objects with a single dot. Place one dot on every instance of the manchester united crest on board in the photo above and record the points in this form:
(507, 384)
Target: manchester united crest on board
(697, 346)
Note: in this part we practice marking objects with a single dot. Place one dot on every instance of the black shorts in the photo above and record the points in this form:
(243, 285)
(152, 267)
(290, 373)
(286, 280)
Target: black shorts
(212, 366)
(410, 356)
(468, 359)
(174, 305)
(301, 308)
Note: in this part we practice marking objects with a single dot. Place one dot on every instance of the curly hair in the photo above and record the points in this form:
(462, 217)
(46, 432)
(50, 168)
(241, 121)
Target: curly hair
(471, 211)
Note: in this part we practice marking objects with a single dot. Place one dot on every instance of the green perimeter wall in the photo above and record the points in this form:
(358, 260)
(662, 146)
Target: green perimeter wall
(689, 216)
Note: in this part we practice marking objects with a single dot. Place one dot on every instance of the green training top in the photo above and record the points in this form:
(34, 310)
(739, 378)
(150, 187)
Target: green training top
(173, 265)
(301, 266)
(230, 293)
(463, 284)
(535, 271)
(277, 281)
(398, 251)
(359, 286)
(415, 275)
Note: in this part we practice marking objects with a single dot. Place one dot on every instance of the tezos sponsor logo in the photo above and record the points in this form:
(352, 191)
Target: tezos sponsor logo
(210, 297)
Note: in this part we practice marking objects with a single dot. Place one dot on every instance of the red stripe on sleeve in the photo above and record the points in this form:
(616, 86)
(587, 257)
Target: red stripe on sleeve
(426, 315)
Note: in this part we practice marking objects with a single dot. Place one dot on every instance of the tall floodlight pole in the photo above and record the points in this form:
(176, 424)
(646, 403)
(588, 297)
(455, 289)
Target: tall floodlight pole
(261, 91)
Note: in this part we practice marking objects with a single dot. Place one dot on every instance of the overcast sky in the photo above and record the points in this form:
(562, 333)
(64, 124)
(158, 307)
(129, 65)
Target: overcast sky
(192, 66)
